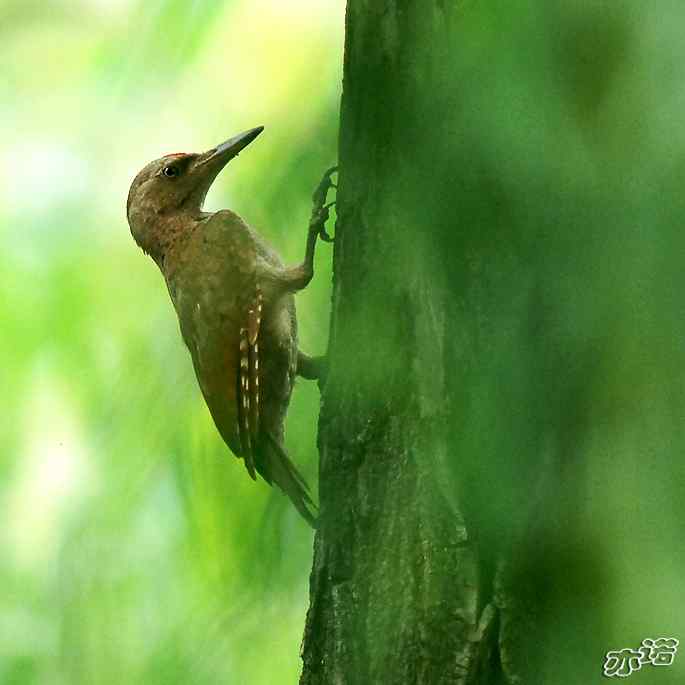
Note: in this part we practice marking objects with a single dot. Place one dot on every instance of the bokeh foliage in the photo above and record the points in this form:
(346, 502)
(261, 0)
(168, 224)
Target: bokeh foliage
(134, 549)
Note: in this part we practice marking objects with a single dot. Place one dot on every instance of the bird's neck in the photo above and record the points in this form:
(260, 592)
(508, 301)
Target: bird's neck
(166, 232)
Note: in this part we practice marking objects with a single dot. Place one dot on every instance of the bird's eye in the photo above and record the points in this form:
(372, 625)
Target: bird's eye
(170, 171)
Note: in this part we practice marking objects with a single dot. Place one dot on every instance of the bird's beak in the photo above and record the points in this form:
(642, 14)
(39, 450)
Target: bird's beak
(218, 157)
(206, 166)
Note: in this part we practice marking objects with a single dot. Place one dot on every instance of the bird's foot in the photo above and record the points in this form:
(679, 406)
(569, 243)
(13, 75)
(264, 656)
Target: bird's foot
(321, 208)
(312, 368)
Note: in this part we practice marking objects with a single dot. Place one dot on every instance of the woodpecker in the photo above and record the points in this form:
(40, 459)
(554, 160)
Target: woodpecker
(235, 305)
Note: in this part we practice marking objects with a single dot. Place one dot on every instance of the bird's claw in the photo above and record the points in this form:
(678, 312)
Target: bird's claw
(320, 211)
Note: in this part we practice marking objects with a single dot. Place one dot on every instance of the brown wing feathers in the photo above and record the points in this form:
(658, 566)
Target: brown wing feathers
(274, 464)
(248, 384)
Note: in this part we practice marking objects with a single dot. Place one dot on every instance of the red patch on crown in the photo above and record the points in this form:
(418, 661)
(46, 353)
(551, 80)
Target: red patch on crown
(177, 154)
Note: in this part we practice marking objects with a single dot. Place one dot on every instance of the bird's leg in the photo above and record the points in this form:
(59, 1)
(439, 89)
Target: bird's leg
(297, 277)
(311, 368)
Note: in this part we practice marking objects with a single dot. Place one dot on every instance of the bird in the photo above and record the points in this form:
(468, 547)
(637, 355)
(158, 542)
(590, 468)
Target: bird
(234, 299)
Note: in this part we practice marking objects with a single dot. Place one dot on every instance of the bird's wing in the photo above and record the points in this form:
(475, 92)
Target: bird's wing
(248, 382)
(235, 319)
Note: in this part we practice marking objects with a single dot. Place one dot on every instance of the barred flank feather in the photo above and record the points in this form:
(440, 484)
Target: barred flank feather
(244, 409)
(248, 384)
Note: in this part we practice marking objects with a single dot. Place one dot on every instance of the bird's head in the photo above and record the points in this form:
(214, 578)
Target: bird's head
(176, 183)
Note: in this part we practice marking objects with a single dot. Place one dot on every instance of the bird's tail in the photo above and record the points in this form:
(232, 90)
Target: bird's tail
(275, 466)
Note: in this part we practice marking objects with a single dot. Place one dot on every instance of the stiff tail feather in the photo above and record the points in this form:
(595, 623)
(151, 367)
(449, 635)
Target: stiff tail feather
(275, 466)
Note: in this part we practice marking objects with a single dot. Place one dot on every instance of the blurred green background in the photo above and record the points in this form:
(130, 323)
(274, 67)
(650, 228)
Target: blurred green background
(133, 547)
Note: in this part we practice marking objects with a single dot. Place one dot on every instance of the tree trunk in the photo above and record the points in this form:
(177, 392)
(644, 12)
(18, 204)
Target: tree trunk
(396, 591)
